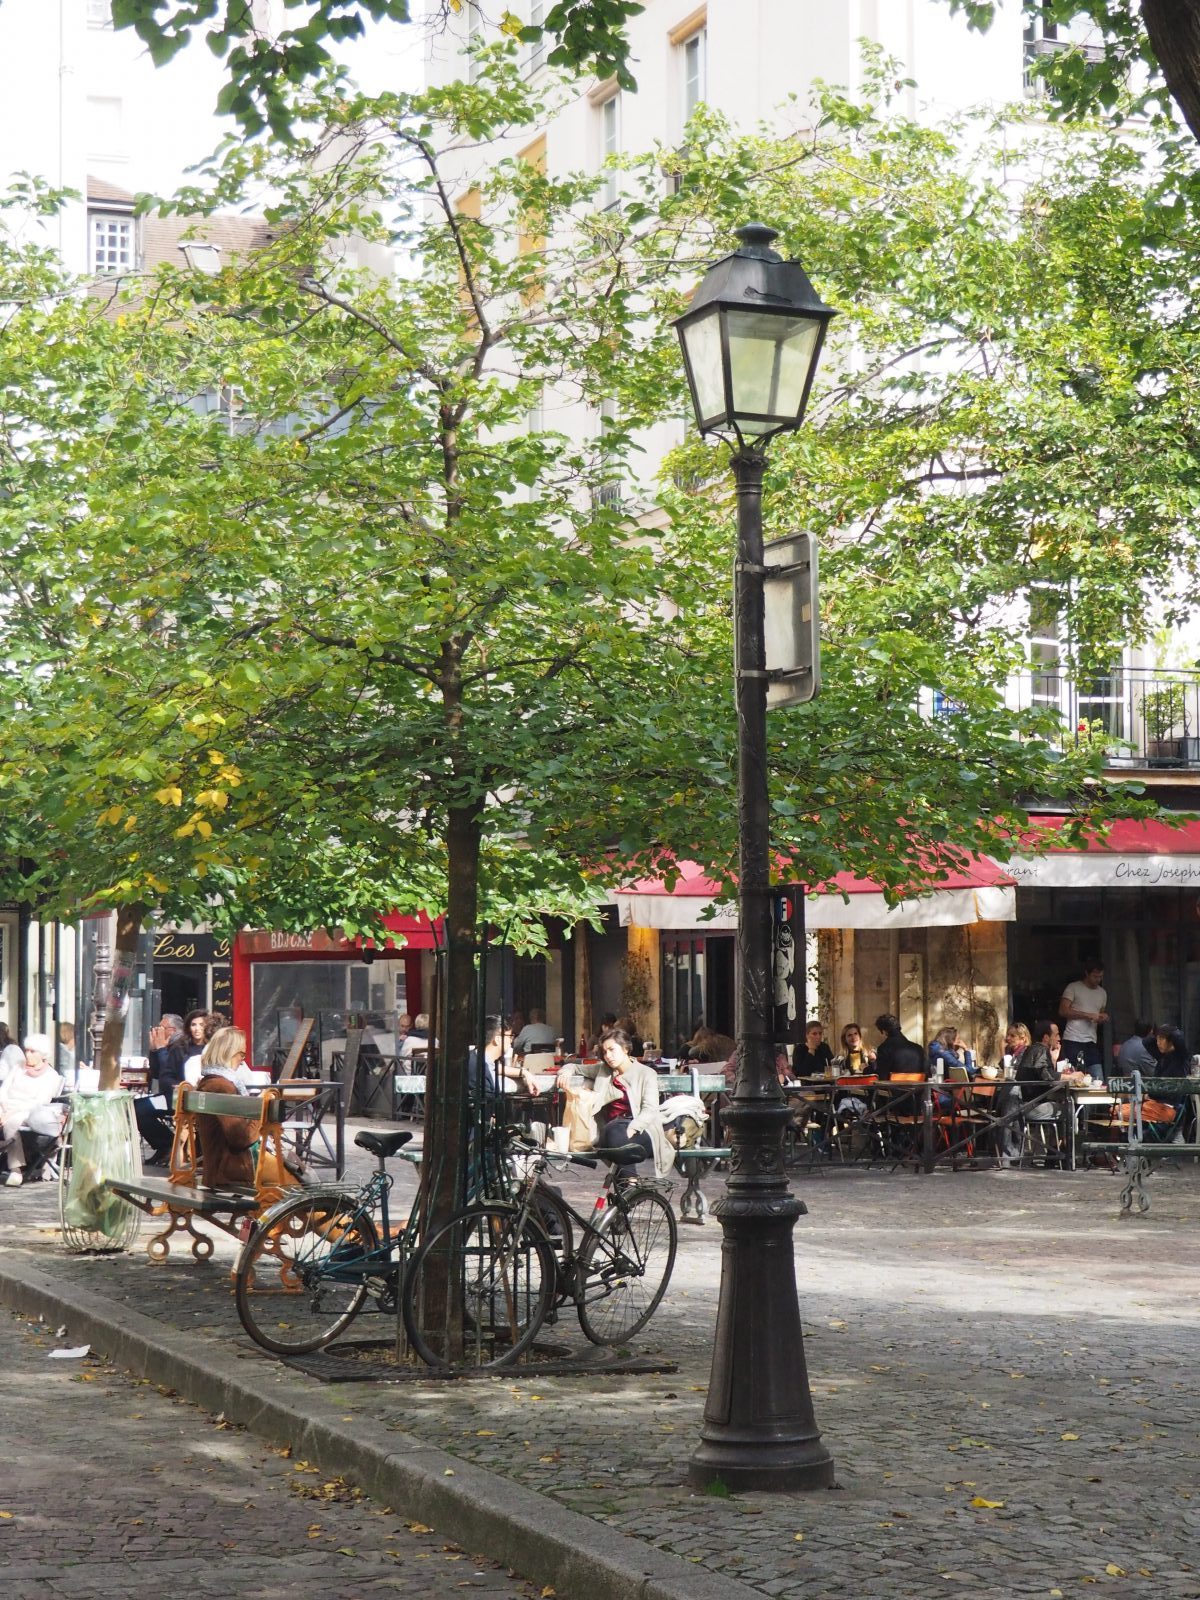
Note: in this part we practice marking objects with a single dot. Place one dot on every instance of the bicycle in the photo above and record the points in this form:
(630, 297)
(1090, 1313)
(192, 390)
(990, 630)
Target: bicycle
(319, 1255)
(514, 1264)
(315, 1260)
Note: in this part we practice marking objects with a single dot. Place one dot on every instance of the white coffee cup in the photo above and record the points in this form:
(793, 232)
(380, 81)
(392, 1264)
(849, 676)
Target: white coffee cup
(537, 1132)
(560, 1140)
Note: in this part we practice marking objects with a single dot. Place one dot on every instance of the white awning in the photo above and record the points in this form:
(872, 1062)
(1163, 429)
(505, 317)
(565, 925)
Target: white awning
(940, 908)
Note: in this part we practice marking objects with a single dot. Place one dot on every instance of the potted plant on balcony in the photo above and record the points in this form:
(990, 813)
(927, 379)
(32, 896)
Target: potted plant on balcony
(1165, 716)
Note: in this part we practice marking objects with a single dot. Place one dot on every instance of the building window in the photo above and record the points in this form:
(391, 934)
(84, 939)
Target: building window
(99, 13)
(110, 244)
(693, 54)
(1046, 639)
(1046, 38)
(535, 52)
(609, 114)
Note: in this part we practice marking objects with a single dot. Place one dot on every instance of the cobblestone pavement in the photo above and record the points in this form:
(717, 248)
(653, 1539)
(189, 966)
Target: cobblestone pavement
(1003, 1369)
(111, 1488)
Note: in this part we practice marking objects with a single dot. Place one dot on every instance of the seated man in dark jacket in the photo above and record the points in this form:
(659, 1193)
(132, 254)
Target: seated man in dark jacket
(896, 1053)
(1036, 1071)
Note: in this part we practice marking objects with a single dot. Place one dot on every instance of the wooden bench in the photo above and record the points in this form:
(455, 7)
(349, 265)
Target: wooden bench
(182, 1197)
(1135, 1153)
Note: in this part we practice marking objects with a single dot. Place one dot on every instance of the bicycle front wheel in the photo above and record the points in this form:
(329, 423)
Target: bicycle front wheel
(300, 1276)
(478, 1289)
(627, 1264)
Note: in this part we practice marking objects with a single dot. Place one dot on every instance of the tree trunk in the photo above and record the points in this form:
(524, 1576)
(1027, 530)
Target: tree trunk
(443, 1171)
(1174, 30)
(129, 926)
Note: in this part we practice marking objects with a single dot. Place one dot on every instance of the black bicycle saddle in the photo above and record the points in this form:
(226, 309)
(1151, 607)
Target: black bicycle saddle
(382, 1144)
(621, 1155)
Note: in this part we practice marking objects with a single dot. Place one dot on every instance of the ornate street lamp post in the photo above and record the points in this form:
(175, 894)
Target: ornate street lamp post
(751, 338)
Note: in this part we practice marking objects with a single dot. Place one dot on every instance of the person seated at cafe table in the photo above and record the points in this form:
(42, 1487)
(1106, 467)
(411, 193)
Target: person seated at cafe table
(706, 1044)
(536, 1037)
(496, 1077)
(947, 1050)
(813, 1058)
(855, 1056)
(1138, 1052)
(1035, 1071)
(625, 1102)
(896, 1053)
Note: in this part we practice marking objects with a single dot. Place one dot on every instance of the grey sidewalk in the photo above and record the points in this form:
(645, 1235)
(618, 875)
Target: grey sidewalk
(113, 1491)
(993, 1337)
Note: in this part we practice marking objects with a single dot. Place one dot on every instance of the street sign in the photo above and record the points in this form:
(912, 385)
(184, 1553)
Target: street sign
(792, 620)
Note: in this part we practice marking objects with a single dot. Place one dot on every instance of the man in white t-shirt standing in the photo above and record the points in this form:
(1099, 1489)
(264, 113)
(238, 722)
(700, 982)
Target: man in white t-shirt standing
(1084, 1007)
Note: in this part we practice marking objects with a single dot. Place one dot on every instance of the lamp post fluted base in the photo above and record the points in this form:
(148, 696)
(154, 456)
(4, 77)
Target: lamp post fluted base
(759, 1430)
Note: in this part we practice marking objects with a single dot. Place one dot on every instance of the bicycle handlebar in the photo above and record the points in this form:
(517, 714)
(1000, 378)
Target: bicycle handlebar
(519, 1137)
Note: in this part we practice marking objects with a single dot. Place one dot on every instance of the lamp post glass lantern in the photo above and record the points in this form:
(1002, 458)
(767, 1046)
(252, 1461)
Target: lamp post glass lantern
(751, 339)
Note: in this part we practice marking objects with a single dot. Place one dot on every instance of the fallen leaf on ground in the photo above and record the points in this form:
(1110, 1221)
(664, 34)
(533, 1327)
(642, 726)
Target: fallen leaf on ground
(1114, 1571)
(1068, 1436)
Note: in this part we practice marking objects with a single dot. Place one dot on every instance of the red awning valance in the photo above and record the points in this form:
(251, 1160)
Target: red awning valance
(414, 932)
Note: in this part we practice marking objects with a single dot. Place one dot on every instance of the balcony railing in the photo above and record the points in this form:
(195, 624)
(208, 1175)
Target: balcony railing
(1144, 716)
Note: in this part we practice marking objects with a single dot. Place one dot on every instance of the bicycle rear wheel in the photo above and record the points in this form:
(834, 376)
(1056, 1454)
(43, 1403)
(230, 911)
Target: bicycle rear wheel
(478, 1289)
(627, 1264)
(300, 1279)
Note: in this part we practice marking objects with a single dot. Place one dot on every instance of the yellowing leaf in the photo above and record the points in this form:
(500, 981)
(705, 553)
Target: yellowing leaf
(169, 795)
(986, 1505)
(1114, 1571)
(216, 758)
(798, 1537)
(204, 829)
(1068, 1436)
(113, 815)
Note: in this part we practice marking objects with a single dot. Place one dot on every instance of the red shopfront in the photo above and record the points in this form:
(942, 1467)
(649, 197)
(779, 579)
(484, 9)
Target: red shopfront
(280, 979)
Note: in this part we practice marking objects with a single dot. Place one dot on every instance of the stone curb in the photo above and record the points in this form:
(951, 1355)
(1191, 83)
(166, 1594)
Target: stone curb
(543, 1541)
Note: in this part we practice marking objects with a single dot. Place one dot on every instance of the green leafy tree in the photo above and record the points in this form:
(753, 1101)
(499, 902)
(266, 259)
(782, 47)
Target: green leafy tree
(1143, 60)
(263, 71)
(311, 622)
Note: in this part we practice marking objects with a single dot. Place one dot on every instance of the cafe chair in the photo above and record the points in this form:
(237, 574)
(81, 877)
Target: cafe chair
(902, 1120)
(541, 1061)
(1042, 1137)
